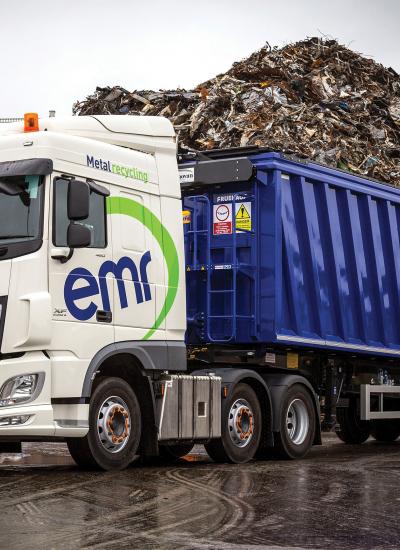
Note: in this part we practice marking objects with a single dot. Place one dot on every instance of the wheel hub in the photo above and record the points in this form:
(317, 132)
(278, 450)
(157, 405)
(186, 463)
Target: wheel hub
(297, 421)
(113, 424)
(241, 423)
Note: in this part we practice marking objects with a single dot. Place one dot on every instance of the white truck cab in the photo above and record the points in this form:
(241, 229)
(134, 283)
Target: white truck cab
(91, 256)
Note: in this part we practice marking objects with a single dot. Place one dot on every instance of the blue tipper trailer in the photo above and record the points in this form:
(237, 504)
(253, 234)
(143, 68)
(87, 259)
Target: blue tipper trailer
(294, 267)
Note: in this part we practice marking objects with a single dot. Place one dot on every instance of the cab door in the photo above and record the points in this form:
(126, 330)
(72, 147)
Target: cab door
(139, 283)
(82, 301)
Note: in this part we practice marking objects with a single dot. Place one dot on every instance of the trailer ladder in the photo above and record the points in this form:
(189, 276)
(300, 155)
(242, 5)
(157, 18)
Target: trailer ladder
(227, 287)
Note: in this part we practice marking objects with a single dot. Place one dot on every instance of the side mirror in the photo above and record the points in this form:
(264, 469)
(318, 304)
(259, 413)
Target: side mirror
(78, 236)
(78, 200)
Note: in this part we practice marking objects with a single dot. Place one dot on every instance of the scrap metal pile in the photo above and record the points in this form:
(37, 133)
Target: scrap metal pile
(315, 98)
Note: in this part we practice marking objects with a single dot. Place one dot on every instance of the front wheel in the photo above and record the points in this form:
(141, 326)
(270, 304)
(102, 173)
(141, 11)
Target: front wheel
(297, 424)
(241, 427)
(114, 428)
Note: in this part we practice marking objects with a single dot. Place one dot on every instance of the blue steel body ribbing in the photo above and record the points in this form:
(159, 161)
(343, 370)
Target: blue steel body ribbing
(319, 268)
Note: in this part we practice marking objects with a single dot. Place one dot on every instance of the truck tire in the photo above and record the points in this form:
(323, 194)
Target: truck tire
(241, 427)
(352, 430)
(170, 453)
(114, 428)
(297, 424)
(385, 430)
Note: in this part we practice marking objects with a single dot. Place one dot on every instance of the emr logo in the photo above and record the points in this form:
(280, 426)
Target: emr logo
(98, 285)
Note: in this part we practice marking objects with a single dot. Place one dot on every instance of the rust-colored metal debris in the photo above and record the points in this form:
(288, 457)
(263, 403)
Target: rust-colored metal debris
(315, 98)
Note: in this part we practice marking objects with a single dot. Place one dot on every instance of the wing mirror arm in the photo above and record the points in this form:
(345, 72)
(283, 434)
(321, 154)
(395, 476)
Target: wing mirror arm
(66, 259)
(78, 236)
(63, 255)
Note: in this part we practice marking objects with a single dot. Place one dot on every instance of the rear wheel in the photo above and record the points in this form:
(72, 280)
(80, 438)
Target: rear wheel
(114, 428)
(385, 430)
(352, 429)
(241, 427)
(297, 424)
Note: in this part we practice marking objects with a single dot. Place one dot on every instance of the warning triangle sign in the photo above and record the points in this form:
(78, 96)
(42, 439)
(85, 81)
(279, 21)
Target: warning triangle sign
(242, 213)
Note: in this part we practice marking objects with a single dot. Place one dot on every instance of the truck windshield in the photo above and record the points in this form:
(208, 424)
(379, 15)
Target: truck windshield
(20, 209)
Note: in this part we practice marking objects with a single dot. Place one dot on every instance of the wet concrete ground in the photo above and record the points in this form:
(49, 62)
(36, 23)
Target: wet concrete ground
(338, 497)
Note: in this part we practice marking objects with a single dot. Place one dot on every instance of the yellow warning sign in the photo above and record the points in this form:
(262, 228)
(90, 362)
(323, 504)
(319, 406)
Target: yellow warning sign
(243, 216)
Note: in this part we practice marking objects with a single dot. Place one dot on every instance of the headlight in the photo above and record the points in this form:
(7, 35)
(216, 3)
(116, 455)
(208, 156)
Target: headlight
(18, 389)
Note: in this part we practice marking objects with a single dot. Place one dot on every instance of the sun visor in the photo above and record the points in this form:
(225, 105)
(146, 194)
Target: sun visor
(31, 167)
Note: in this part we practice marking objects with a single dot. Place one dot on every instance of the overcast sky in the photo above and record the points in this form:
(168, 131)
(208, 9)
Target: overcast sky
(54, 52)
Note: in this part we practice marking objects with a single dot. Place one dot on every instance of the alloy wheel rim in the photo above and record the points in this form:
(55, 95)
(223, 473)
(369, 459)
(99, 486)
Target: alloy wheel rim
(113, 424)
(241, 423)
(297, 421)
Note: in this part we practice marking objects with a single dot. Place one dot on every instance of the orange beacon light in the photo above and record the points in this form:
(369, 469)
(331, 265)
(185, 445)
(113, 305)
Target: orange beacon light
(31, 122)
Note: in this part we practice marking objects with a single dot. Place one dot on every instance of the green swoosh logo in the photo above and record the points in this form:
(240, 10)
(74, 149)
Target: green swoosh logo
(129, 207)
